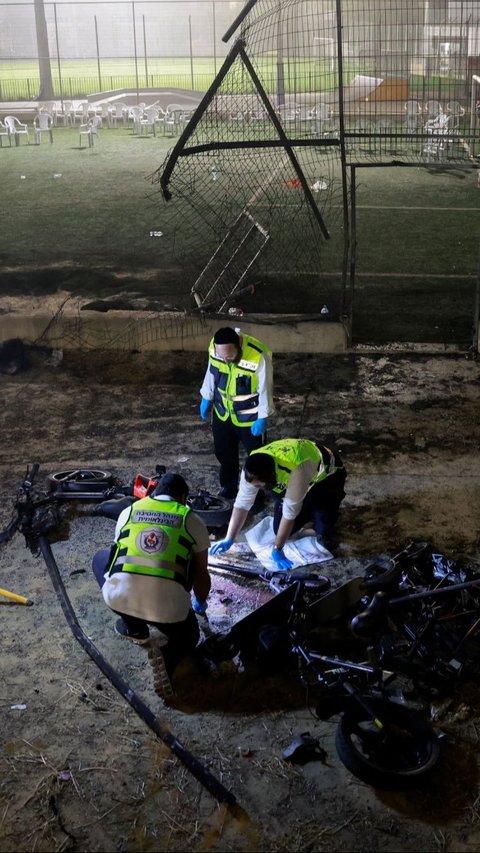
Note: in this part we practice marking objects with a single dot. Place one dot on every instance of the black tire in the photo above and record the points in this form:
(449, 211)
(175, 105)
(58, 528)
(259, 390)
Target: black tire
(214, 510)
(398, 756)
(85, 480)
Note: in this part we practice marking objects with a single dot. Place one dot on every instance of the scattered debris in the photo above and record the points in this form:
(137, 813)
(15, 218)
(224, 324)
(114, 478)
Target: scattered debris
(304, 748)
(12, 356)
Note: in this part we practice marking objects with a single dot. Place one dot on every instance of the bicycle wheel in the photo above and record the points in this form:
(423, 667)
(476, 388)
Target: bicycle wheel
(395, 755)
(214, 510)
(80, 480)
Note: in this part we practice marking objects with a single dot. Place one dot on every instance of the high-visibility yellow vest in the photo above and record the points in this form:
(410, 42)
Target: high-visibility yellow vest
(154, 541)
(236, 385)
(289, 453)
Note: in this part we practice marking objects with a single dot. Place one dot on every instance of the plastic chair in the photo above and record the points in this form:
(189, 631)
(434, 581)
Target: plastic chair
(90, 130)
(119, 111)
(81, 111)
(455, 111)
(4, 131)
(288, 114)
(42, 123)
(50, 107)
(148, 120)
(439, 128)
(17, 129)
(104, 110)
(175, 119)
(136, 115)
(432, 109)
(321, 115)
(65, 113)
(413, 110)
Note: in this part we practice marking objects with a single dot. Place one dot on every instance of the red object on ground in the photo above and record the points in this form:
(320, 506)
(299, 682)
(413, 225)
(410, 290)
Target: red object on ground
(144, 486)
(294, 183)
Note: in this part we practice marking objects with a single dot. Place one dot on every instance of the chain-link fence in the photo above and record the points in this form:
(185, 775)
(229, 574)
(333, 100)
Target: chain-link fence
(81, 48)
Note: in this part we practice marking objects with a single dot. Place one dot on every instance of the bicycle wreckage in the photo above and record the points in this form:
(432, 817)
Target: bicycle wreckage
(411, 619)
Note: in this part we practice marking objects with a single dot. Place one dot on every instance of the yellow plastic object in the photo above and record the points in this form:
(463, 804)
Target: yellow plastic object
(20, 599)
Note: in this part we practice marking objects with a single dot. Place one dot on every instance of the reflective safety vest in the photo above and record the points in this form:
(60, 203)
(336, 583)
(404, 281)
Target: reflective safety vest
(289, 453)
(236, 385)
(154, 541)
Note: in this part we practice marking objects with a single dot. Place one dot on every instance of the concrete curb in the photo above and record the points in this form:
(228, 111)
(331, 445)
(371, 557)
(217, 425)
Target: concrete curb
(162, 332)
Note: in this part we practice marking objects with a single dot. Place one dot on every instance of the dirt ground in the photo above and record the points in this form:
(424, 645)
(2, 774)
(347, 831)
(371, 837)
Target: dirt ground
(79, 769)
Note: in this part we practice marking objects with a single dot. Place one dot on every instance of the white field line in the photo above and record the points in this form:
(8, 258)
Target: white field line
(422, 275)
(394, 207)
(381, 207)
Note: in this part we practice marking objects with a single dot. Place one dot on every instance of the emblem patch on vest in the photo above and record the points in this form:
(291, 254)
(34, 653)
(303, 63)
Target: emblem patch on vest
(152, 541)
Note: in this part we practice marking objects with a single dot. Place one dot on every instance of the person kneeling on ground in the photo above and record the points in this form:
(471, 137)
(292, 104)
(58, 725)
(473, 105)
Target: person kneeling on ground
(308, 481)
(159, 555)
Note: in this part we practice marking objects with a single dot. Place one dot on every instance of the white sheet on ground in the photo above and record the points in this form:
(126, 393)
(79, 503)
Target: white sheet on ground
(302, 552)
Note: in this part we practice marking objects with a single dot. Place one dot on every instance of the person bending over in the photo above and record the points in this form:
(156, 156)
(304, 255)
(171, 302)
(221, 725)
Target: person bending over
(308, 481)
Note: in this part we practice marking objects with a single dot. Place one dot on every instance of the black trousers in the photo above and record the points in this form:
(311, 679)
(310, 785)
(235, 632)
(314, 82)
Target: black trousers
(182, 636)
(226, 441)
(321, 505)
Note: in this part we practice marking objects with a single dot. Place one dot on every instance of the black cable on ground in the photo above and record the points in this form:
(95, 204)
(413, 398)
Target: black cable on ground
(210, 782)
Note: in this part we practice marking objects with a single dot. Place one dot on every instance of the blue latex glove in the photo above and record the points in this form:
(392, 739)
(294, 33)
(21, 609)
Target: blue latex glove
(281, 561)
(221, 547)
(199, 607)
(204, 407)
(259, 426)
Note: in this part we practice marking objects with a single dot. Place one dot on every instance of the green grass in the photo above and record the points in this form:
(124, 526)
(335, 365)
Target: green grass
(20, 78)
(97, 213)
(88, 231)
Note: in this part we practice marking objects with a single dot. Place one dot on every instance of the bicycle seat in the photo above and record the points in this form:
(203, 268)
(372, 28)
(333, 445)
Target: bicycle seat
(370, 619)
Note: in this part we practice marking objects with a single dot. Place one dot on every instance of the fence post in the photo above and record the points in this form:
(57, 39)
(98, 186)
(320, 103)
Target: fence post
(145, 50)
(135, 51)
(98, 55)
(191, 49)
(58, 54)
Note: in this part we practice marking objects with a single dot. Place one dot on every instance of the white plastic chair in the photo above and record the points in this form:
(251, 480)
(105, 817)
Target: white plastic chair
(288, 114)
(136, 115)
(50, 107)
(432, 109)
(321, 114)
(455, 111)
(42, 123)
(4, 131)
(17, 129)
(65, 113)
(104, 110)
(90, 130)
(148, 120)
(175, 119)
(413, 112)
(119, 111)
(81, 111)
(438, 127)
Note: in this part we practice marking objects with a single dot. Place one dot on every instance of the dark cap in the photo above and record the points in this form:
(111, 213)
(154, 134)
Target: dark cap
(226, 335)
(172, 484)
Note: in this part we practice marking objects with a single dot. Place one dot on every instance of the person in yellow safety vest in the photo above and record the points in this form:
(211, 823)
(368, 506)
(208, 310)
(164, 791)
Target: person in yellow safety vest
(239, 383)
(159, 556)
(307, 479)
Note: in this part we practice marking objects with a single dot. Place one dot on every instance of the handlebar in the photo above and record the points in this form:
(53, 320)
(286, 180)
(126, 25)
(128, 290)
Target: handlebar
(30, 477)
(23, 505)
